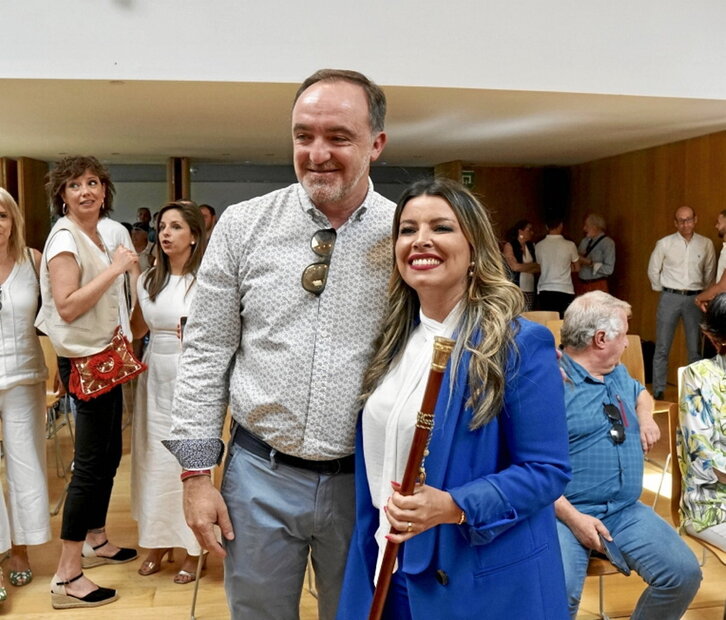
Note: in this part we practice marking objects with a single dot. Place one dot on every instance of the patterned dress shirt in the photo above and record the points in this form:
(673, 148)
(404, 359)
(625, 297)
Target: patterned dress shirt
(289, 363)
(606, 477)
(702, 440)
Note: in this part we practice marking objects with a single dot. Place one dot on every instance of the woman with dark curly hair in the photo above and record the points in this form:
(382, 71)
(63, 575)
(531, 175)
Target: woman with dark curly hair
(84, 301)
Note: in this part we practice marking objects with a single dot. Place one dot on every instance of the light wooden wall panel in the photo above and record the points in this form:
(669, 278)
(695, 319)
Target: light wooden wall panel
(9, 175)
(178, 178)
(510, 193)
(637, 193)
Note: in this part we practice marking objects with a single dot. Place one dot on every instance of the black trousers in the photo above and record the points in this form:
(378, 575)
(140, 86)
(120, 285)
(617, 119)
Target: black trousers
(97, 457)
(552, 300)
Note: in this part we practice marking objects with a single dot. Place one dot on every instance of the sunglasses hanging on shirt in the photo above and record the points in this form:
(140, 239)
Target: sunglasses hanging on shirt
(617, 429)
(315, 275)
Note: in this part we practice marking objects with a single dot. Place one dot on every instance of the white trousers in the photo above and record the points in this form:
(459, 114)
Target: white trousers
(22, 411)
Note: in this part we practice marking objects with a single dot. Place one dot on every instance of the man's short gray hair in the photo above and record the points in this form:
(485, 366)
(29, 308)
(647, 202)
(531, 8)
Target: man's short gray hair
(590, 313)
(596, 220)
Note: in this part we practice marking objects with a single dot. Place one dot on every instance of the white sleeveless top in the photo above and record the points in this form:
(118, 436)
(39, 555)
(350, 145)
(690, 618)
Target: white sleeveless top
(21, 358)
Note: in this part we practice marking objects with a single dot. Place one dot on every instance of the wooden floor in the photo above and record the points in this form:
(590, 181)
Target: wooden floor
(156, 596)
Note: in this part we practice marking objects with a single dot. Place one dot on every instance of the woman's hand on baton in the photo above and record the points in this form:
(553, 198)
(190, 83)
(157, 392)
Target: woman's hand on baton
(413, 514)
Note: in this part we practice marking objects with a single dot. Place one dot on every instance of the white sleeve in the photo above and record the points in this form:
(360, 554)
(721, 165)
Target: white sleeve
(574, 254)
(61, 241)
(655, 266)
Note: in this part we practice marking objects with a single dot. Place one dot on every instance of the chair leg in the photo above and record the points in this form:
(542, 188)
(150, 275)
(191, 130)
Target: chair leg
(59, 417)
(662, 478)
(311, 586)
(601, 585)
(56, 509)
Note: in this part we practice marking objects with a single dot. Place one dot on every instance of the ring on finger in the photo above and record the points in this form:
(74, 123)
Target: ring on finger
(409, 528)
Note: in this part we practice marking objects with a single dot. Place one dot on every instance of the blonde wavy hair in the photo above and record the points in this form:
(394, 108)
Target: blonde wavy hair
(16, 242)
(486, 328)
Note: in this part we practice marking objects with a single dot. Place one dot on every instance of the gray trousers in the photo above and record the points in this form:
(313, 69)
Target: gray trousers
(279, 515)
(672, 308)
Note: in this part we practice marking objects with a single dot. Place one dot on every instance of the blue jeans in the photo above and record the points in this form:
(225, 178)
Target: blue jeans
(279, 515)
(653, 549)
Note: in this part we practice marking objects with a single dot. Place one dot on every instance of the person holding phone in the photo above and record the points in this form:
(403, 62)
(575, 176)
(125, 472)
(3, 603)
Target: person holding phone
(165, 294)
(610, 424)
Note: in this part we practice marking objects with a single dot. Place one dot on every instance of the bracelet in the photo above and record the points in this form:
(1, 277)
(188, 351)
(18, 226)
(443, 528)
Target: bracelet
(462, 518)
(193, 473)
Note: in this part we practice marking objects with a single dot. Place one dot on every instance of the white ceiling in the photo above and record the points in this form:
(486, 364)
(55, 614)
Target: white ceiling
(148, 121)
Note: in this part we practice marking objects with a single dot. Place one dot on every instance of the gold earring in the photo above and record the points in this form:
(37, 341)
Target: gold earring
(471, 271)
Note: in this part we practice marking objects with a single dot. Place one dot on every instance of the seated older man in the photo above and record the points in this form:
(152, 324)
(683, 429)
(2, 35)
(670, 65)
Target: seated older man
(610, 424)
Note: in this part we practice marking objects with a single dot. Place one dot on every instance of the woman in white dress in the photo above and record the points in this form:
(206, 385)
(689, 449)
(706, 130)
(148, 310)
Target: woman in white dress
(164, 296)
(25, 520)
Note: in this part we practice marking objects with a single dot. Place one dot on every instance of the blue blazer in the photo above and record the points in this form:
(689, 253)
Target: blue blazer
(504, 562)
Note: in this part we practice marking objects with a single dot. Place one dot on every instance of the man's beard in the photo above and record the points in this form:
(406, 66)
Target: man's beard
(323, 192)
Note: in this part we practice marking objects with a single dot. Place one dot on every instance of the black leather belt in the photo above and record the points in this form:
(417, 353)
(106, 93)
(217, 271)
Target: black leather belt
(680, 292)
(247, 441)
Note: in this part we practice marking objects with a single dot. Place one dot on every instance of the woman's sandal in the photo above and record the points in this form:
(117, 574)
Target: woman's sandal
(89, 557)
(61, 600)
(149, 567)
(20, 578)
(184, 576)
(3, 591)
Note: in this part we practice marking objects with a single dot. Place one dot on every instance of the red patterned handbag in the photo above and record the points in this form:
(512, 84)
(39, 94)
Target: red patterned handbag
(99, 373)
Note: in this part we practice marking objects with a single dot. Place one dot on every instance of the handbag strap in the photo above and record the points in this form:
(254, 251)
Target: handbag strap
(31, 258)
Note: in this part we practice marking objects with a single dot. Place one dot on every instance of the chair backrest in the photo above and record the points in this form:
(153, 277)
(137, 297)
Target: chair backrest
(675, 461)
(632, 358)
(541, 316)
(51, 363)
(555, 326)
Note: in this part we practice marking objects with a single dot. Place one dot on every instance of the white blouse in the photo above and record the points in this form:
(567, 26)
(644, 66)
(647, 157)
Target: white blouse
(21, 358)
(389, 416)
(63, 242)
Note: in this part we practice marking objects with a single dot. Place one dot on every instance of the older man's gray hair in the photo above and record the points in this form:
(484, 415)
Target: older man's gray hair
(590, 313)
(596, 220)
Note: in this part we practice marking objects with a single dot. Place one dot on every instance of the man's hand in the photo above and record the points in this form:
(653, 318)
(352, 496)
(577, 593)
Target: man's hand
(586, 529)
(649, 434)
(203, 508)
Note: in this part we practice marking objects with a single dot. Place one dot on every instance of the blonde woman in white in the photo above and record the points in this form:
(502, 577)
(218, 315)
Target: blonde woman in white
(24, 519)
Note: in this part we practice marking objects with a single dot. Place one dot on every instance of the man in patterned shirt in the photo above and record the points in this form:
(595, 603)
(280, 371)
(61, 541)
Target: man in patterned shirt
(289, 300)
(610, 424)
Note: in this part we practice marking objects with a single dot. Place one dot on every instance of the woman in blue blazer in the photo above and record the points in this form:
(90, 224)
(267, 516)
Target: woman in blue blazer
(479, 537)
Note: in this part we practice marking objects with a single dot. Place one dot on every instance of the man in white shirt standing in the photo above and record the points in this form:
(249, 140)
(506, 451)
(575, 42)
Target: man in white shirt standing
(680, 267)
(557, 258)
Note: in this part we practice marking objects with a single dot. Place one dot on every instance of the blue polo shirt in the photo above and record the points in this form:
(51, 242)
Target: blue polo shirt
(606, 477)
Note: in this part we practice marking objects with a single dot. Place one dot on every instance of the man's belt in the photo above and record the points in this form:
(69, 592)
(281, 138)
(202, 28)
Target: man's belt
(247, 441)
(676, 291)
